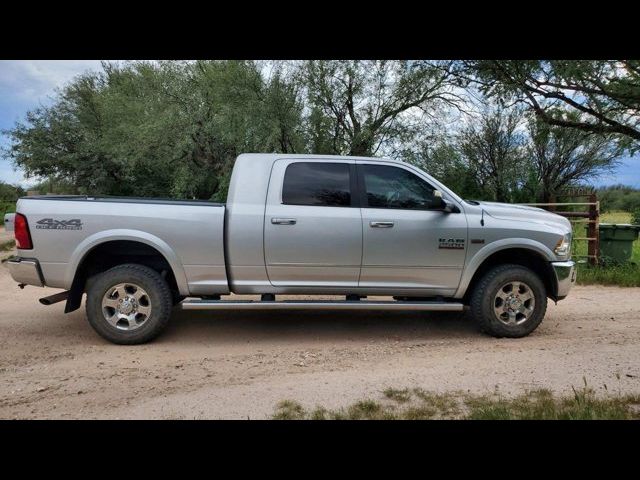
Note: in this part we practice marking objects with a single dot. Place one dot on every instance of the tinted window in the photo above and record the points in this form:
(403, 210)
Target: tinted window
(323, 184)
(391, 187)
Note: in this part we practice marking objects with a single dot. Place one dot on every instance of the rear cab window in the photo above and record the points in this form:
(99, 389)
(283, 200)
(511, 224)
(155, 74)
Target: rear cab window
(318, 184)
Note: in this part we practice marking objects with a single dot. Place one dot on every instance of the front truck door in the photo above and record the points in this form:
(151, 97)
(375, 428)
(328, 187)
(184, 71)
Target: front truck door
(406, 244)
(312, 224)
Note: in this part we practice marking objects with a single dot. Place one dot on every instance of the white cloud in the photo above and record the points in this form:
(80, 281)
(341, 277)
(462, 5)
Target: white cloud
(33, 80)
(25, 84)
(9, 175)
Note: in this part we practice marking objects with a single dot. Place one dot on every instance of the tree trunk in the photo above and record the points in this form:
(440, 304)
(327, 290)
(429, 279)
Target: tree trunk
(545, 195)
(361, 145)
(501, 195)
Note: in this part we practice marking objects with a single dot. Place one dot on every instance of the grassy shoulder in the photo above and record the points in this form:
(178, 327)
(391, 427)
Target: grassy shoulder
(417, 404)
(620, 275)
(626, 275)
(7, 245)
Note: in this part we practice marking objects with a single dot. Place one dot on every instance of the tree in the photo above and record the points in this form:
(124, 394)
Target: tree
(355, 107)
(158, 128)
(563, 156)
(444, 161)
(619, 197)
(596, 96)
(493, 148)
(10, 193)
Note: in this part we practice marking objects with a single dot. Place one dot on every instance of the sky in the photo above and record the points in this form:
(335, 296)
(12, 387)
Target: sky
(26, 84)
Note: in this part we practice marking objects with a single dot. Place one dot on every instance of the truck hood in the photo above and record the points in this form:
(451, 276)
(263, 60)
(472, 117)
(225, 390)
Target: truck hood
(523, 213)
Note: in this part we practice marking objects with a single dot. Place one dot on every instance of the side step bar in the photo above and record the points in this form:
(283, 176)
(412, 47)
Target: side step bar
(55, 298)
(319, 305)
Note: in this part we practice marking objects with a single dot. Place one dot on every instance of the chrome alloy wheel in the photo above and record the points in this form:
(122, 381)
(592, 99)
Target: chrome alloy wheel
(514, 303)
(126, 306)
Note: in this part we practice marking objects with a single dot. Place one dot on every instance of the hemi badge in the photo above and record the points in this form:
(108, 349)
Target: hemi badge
(477, 240)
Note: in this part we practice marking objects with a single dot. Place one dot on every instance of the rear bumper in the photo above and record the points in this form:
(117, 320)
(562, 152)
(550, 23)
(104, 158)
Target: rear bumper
(26, 270)
(565, 277)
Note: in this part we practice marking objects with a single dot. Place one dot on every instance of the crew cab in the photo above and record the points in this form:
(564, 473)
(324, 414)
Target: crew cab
(354, 227)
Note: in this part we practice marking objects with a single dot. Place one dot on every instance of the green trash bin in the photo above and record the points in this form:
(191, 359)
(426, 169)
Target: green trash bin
(616, 241)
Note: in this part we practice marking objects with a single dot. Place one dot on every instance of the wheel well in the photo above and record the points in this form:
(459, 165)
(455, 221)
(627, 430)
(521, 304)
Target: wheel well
(518, 256)
(110, 254)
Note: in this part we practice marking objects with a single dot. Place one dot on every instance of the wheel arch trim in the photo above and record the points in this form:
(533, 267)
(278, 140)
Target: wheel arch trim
(88, 244)
(492, 248)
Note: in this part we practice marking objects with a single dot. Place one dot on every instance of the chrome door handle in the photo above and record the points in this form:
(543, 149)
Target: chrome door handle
(381, 224)
(283, 221)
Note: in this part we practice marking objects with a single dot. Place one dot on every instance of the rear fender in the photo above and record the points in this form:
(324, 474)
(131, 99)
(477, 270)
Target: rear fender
(133, 235)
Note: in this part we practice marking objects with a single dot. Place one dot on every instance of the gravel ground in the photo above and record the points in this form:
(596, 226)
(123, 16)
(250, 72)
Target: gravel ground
(240, 365)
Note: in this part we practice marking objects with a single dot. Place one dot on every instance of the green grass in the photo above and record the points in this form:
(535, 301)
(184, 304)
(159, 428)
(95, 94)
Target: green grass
(400, 396)
(417, 404)
(289, 410)
(542, 405)
(615, 217)
(626, 275)
(7, 245)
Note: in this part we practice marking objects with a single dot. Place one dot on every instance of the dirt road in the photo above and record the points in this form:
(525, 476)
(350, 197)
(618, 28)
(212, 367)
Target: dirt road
(239, 365)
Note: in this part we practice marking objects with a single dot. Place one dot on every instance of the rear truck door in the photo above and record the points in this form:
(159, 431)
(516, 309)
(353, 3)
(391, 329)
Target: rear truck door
(312, 224)
(406, 244)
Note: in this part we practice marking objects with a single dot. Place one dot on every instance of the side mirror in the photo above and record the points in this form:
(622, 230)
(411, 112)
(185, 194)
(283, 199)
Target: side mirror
(450, 207)
(442, 205)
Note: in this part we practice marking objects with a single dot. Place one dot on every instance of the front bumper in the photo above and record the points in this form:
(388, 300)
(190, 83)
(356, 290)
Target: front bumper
(565, 277)
(26, 270)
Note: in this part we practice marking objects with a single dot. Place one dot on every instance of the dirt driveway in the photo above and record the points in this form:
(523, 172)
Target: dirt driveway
(239, 365)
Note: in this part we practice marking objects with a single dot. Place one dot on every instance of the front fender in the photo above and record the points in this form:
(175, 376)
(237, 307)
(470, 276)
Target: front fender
(485, 252)
(104, 236)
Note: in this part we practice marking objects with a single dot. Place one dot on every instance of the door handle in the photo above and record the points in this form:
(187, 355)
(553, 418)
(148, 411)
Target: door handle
(283, 221)
(381, 224)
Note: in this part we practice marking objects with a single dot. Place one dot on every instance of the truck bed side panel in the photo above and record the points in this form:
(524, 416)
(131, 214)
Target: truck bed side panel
(189, 236)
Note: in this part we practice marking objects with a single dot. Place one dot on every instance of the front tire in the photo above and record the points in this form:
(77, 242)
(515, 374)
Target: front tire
(509, 301)
(128, 304)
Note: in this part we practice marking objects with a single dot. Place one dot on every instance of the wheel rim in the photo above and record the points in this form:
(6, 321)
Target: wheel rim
(514, 303)
(126, 306)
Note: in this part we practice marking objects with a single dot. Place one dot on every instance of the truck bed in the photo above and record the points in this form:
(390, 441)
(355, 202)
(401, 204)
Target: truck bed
(188, 233)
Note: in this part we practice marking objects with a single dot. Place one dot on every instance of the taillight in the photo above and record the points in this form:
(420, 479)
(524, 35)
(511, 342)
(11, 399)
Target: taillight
(21, 230)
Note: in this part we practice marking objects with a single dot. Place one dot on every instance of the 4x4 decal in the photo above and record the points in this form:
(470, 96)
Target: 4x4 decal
(51, 224)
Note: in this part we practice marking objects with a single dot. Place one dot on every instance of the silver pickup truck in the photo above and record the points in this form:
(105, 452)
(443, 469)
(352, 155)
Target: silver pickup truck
(296, 225)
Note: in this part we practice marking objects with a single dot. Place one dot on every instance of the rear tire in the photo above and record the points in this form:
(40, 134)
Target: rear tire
(509, 301)
(129, 304)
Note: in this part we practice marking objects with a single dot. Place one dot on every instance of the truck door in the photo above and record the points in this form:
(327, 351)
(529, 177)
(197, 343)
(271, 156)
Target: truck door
(406, 243)
(312, 224)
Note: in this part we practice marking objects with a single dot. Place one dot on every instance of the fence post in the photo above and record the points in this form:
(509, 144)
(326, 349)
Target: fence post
(593, 230)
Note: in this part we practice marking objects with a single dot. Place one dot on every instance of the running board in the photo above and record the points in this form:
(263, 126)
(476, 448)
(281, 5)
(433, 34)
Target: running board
(319, 305)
